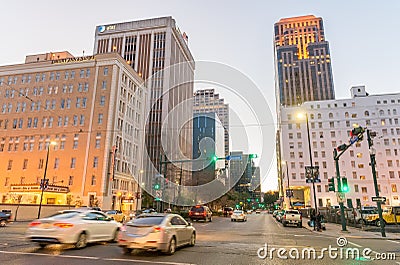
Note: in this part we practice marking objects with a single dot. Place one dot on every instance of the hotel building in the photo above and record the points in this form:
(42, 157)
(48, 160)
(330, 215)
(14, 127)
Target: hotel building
(330, 123)
(92, 108)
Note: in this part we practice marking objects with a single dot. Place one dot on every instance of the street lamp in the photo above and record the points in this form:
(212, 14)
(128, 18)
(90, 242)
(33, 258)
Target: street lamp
(44, 177)
(301, 115)
(139, 189)
(289, 192)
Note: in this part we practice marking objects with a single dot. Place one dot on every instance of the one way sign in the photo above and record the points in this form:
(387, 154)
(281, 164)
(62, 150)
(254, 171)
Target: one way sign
(379, 199)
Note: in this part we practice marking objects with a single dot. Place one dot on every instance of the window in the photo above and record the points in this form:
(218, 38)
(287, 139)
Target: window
(105, 72)
(82, 73)
(97, 146)
(25, 165)
(394, 188)
(291, 155)
(93, 181)
(95, 162)
(100, 119)
(104, 85)
(71, 180)
(56, 163)
(75, 144)
(356, 188)
(9, 165)
(73, 162)
(364, 189)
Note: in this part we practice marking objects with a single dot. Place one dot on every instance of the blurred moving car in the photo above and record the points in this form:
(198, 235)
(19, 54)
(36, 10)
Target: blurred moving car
(279, 215)
(5, 217)
(238, 215)
(77, 227)
(249, 211)
(258, 211)
(116, 215)
(200, 212)
(228, 211)
(164, 232)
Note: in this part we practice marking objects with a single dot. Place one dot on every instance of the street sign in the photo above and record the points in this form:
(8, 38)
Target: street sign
(341, 197)
(289, 193)
(158, 193)
(234, 157)
(309, 181)
(379, 199)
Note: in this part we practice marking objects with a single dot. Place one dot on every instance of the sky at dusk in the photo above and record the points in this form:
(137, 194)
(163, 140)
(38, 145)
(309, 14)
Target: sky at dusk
(363, 37)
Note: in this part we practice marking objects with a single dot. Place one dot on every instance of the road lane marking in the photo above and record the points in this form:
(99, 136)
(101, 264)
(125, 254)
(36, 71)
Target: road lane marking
(93, 258)
(397, 242)
(354, 244)
(147, 261)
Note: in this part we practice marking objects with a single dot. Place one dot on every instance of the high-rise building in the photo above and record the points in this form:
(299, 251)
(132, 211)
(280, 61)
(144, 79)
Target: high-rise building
(330, 124)
(159, 52)
(208, 143)
(206, 101)
(88, 107)
(303, 69)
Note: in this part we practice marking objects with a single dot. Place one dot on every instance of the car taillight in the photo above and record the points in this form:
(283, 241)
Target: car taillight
(204, 213)
(63, 225)
(157, 229)
(190, 213)
(35, 223)
(284, 217)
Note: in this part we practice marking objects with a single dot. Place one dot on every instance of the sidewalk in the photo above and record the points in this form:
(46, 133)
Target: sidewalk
(335, 230)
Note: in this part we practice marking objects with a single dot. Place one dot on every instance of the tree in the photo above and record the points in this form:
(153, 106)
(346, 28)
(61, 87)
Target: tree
(271, 197)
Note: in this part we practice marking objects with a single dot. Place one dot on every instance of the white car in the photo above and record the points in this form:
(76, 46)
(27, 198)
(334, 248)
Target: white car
(163, 232)
(77, 227)
(238, 215)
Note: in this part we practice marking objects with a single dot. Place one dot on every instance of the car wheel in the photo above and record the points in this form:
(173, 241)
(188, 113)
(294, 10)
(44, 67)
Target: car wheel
(126, 250)
(231, 220)
(42, 245)
(284, 224)
(192, 240)
(300, 225)
(171, 246)
(3, 223)
(210, 219)
(82, 241)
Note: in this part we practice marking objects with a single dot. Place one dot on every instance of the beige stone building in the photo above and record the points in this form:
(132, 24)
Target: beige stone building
(92, 109)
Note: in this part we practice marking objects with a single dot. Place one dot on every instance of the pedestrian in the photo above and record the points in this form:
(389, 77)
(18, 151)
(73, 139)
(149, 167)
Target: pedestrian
(312, 218)
(318, 220)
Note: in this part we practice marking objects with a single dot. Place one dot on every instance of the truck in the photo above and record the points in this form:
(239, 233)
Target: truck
(292, 217)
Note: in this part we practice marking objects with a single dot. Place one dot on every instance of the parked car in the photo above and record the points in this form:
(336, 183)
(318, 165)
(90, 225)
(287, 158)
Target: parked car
(361, 216)
(279, 215)
(164, 232)
(5, 217)
(77, 227)
(258, 211)
(292, 217)
(238, 215)
(200, 212)
(390, 214)
(116, 215)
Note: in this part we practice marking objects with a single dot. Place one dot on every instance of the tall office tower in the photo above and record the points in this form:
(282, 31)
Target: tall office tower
(85, 106)
(303, 69)
(159, 52)
(208, 141)
(205, 101)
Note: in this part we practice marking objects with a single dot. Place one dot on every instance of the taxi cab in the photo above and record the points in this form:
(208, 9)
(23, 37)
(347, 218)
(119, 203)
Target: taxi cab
(389, 213)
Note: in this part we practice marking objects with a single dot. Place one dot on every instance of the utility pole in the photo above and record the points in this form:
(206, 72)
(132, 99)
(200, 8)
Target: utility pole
(336, 157)
(373, 163)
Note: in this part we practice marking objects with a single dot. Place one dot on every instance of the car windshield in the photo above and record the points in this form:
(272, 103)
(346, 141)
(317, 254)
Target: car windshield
(147, 221)
(238, 212)
(64, 215)
(197, 209)
(111, 212)
(292, 212)
(228, 209)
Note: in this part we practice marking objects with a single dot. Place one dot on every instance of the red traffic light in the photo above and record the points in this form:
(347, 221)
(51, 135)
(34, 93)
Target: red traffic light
(341, 147)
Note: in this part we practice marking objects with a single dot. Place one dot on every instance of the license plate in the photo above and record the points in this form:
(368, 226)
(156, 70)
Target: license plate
(46, 226)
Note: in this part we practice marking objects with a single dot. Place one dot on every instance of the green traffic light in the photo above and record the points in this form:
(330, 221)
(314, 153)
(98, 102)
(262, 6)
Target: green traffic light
(156, 186)
(253, 156)
(345, 186)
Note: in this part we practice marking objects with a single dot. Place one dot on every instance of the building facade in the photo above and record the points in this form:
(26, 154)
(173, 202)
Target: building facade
(330, 123)
(205, 101)
(159, 53)
(92, 109)
(303, 69)
(208, 141)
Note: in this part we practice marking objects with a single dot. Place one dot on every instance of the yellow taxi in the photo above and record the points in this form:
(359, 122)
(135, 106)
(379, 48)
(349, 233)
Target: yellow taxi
(116, 215)
(389, 213)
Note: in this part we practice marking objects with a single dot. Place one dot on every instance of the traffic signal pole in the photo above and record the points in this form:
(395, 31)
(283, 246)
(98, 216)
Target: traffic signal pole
(373, 163)
(341, 204)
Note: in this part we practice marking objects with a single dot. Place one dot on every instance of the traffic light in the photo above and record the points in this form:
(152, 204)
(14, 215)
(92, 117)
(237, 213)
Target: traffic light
(345, 186)
(214, 158)
(357, 132)
(331, 184)
(341, 147)
(251, 156)
(248, 199)
(156, 186)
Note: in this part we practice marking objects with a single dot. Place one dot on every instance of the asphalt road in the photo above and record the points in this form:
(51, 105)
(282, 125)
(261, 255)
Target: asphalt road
(218, 242)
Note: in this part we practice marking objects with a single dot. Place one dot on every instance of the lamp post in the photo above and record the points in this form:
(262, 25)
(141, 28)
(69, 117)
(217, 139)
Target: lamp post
(311, 162)
(44, 177)
(288, 185)
(139, 189)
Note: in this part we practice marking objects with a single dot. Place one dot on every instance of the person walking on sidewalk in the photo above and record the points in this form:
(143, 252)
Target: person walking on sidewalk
(318, 221)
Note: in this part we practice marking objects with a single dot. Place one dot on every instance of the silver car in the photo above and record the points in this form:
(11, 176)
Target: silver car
(164, 232)
(77, 227)
(238, 215)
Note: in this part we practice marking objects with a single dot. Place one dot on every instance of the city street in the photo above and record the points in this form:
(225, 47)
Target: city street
(218, 242)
